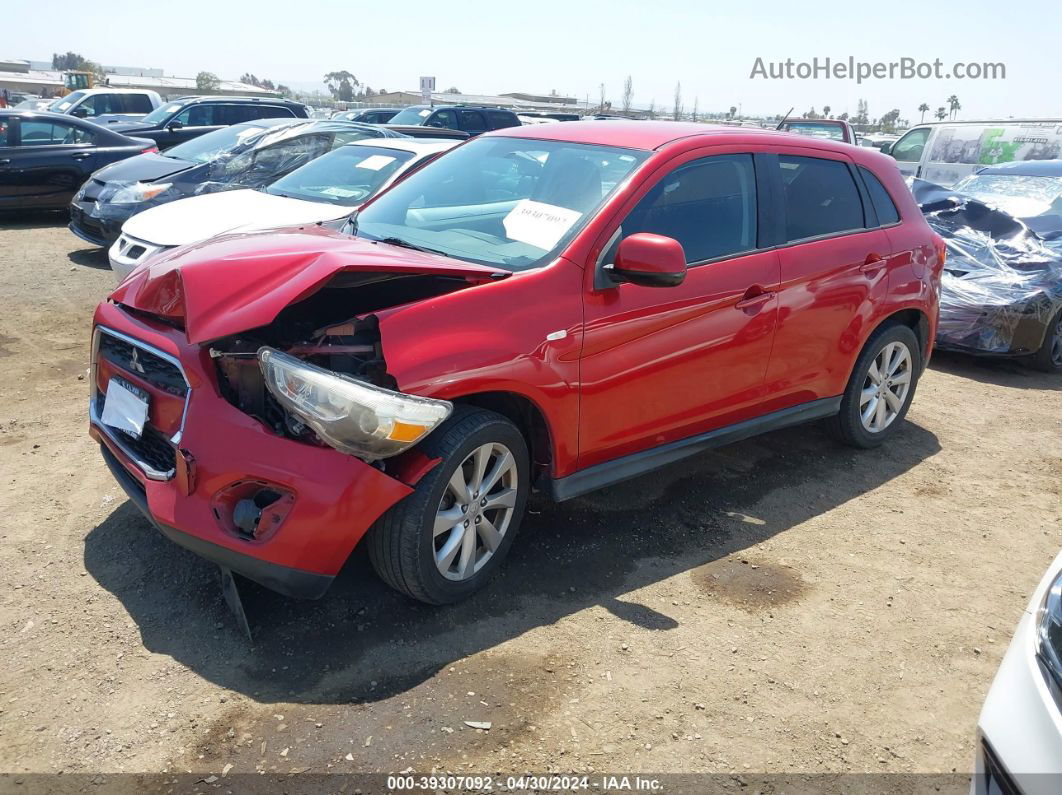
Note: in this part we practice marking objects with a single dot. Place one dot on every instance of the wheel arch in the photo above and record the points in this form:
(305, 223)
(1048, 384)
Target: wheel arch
(527, 416)
(916, 320)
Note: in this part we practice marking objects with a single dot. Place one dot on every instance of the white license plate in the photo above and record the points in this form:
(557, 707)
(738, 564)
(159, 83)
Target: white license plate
(126, 407)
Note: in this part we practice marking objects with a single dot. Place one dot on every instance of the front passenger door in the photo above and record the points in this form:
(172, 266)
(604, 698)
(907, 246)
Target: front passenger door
(662, 364)
(54, 159)
(190, 123)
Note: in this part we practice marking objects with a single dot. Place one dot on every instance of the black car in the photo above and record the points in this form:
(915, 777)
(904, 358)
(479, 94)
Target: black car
(189, 117)
(244, 155)
(368, 115)
(45, 157)
(468, 118)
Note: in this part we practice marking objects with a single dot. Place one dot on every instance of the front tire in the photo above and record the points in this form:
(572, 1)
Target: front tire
(445, 540)
(880, 390)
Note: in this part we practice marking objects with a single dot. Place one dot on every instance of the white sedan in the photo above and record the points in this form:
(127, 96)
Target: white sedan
(1020, 728)
(325, 189)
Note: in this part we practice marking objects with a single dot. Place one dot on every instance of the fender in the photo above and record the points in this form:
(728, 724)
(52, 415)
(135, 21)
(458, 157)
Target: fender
(521, 335)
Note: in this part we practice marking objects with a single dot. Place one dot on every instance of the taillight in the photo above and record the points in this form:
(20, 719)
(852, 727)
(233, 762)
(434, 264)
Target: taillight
(151, 150)
(942, 251)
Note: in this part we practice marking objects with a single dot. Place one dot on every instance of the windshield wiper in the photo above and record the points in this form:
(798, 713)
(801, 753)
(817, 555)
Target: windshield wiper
(397, 241)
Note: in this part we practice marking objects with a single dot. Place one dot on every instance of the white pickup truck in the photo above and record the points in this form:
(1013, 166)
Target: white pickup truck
(105, 105)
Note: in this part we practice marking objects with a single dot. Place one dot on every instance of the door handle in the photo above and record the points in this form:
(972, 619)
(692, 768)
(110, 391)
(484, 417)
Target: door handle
(81, 155)
(872, 264)
(750, 301)
(4, 161)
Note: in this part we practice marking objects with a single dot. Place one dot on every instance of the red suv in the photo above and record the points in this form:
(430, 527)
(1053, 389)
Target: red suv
(558, 307)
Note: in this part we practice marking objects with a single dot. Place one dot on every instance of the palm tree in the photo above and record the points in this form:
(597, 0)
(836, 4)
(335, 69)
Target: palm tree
(953, 105)
(826, 111)
(923, 108)
(942, 113)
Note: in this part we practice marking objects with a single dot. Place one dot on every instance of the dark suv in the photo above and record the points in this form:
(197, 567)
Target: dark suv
(189, 117)
(468, 118)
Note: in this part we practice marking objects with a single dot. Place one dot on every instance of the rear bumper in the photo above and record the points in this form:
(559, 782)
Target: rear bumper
(335, 497)
(1007, 330)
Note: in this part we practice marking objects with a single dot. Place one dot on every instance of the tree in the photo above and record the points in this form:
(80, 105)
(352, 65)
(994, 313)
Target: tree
(341, 85)
(826, 111)
(733, 112)
(843, 116)
(676, 111)
(284, 91)
(652, 108)
(696, 102)
(922, 109)
(628, 94)
(953, 105)
(75, 62)
(601, 98)
(941, 113)
(207, 83)
(452, 90)
(888, 121)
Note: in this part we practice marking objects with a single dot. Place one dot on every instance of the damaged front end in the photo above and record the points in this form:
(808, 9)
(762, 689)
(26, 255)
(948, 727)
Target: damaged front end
(1001, 285)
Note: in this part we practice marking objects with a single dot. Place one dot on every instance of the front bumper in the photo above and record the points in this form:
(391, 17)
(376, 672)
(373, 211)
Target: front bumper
(337, 498)
(97, 223)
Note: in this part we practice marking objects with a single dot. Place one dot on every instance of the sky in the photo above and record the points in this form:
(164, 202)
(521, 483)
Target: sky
(572, 46)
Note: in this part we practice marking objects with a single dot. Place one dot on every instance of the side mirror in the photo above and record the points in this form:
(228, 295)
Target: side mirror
(79, 112)
(886, 148)
(650, 261)
(174, 125)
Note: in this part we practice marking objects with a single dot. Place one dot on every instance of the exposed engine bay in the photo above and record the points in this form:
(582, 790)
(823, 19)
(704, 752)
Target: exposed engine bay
(334, 328)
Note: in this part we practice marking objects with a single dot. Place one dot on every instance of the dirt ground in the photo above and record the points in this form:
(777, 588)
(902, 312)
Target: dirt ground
(785, 604)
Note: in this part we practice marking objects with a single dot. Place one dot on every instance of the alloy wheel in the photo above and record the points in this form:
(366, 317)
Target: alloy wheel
(1056, 343)
(886, 387)
(475, 511)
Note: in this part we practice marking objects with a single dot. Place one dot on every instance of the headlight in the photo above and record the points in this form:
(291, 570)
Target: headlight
(138, 192)
(352, 416)
(1049, 631)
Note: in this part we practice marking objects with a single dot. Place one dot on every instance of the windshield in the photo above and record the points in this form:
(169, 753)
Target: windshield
(817, 129)
(413, 115)
(346, 176)
(508, 202)
(161, 113)
(1020, 196)
(63, 104)
(207, 147)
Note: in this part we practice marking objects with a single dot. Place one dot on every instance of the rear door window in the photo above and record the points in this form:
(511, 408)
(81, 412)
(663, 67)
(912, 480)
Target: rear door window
(880, 198)
(136, 103)
(820, 196)
(709, 206)
(255, 111)
(499, 120)
(472, 122)
(7, 135)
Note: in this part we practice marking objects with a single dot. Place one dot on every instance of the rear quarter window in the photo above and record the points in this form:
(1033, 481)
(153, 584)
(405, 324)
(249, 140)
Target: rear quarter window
(884, 206)
(267, 112)
(821, 198)
(136, 103)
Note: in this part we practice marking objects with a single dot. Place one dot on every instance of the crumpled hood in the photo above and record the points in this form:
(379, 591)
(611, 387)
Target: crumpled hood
(239, 282)
(142, 168)
(200, 217)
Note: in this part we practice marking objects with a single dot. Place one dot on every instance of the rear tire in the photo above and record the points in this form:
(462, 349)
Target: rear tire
(880, 390)
(1049, 357)
(444, 541)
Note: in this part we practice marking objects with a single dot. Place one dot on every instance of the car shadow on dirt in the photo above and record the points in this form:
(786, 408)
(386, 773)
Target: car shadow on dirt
(33, 219)
(364, 642)
(998, 371)
(90, 258)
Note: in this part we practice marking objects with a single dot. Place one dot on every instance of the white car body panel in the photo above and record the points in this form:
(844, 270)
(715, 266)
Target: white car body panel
(1020, 720)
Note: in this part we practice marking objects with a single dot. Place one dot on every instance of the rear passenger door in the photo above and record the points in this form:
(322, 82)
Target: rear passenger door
(834, 277)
